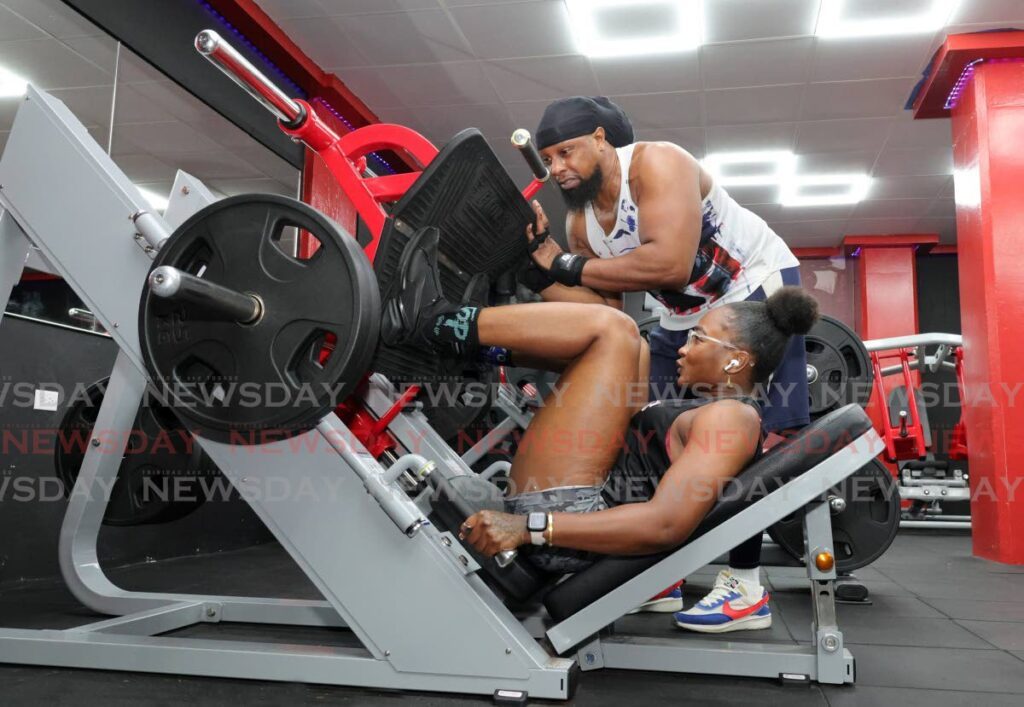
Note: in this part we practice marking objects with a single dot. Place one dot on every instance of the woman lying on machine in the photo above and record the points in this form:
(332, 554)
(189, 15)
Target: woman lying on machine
(600, 471)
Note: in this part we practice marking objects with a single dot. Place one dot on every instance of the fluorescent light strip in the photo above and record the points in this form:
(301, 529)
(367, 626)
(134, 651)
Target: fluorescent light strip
(11, 85)
(784, 161)
(688, 34)
(832, 23)
(857, 187)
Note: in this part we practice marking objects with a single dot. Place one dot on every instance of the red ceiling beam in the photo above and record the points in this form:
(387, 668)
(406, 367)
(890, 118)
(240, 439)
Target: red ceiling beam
(924, 242)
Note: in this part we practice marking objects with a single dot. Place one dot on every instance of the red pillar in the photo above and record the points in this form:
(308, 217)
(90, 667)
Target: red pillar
(979, 77)
(887, 302)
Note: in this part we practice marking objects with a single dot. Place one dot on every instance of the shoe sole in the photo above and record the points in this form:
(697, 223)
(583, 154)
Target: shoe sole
(660, 606)
(749, 623)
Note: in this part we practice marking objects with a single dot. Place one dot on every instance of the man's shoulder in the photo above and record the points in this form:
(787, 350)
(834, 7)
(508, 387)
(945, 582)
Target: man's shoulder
(652, 156)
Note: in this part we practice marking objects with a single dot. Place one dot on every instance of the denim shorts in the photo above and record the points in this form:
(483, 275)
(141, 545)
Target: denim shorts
(562, 499)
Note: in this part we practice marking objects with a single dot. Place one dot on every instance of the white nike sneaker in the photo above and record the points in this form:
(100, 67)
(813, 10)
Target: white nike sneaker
(731, 605)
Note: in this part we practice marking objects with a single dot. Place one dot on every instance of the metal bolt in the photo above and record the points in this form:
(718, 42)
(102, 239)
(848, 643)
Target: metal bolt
(464, 560)
(590, 658)
(387, 654)
(830, 642)
(508, 651)
(150, 249)
(185, 190)
(837, 504)
(116, 325)
(211, 612)
(447, 542)
(95, 442)
(138, 236)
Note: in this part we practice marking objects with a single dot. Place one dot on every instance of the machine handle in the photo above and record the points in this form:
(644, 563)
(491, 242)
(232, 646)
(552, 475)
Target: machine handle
(241, 71)
(522, 140)
(504, 559)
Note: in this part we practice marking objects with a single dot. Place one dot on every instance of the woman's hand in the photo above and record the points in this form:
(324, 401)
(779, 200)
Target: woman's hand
(544, 252)
(491, 532)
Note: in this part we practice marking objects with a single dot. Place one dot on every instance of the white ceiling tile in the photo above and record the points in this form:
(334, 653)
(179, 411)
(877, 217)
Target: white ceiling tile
(48, 64)
(520, 30)
(289, 9)
(214, 165)
(102, 51)
(526, 114)
(535, 79)
(903, 163)
(53, 17)
(761, 194)
(730, 20)
(870, 58)
(440, 123)
(975, 11)
(90, 104)
(223, 132)
(833, 135)
(353, 7)
(423, 84)
(662, 110)
(823, 232)
(231, 187)
(657, 74)
(909, 133)
(325, 42)
(856, 161)
(765, 211)
(404, 38)
(690, 139)
(737, 138)
(815, 213)
(941, 208)
(856, 99)
(755, 63)
(948, 191)
(14, 27)
(945, 227)
(8, 109)
(268, 163)
(145, 168)
(764, 104)
(909, 187)
(880, 226)
(163, 139)
(170, 98)
(891, 208)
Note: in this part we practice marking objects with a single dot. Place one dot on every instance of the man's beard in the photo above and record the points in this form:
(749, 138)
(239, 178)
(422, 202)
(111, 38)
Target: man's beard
(576, 199)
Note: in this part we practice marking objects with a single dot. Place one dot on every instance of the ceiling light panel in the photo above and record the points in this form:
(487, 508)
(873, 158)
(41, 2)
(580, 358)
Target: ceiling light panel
(621, 28)
(838, 19)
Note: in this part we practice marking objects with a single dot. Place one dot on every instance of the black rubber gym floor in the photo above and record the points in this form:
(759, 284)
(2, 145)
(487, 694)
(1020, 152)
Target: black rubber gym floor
(945, 628)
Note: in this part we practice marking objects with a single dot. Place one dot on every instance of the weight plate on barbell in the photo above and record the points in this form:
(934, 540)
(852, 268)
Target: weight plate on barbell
(161, 472)
(306, 354)
(864, 524)
(839, 368)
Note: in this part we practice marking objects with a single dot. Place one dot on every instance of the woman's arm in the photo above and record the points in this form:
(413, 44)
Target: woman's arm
(720, 442)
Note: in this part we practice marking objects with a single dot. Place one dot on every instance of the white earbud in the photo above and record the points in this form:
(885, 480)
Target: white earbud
(732, 364)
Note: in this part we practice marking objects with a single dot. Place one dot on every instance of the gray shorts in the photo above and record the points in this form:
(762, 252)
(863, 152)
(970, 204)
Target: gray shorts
(563, 499)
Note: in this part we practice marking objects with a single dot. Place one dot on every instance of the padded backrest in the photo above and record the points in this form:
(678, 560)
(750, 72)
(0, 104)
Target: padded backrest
(783, 463)
(898, 401)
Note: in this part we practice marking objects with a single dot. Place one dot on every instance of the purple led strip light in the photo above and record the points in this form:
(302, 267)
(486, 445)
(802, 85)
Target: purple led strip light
(967, 74)
(281, 74)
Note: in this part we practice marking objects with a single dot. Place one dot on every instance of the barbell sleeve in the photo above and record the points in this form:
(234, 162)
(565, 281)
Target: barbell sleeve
(216, 301)
(241, 71)
(522, 140)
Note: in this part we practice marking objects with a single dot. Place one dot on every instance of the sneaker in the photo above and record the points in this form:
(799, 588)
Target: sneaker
(668, 602)
(731, 605)
(416, 292)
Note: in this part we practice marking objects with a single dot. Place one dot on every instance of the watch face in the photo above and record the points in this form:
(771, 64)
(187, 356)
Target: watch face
(537, 521)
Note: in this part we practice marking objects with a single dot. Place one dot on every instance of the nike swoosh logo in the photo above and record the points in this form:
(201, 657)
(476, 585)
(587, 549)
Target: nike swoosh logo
(747, 611)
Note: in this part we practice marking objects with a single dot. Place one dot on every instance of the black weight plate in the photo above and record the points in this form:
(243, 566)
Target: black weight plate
(864, 530)
(161, 471)
(839, 368)
(314, 343)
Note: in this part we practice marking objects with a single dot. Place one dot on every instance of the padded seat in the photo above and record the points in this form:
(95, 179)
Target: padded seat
(783, 463)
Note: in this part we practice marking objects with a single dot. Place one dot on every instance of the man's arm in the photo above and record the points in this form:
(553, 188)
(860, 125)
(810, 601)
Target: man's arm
(582, 294)
(669, 203)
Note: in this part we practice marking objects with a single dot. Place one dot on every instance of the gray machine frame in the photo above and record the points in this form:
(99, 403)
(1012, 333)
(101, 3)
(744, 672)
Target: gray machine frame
(455, 635)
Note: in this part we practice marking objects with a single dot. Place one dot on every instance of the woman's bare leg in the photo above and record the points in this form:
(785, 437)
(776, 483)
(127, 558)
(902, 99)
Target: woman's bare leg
(577, 435)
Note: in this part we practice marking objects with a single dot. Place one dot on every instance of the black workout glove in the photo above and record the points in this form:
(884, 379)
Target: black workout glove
(533, 278)
(567, 269)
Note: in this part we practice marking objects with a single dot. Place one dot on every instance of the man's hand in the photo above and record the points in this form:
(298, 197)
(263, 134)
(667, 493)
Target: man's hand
(491, 532)
(547, 250)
